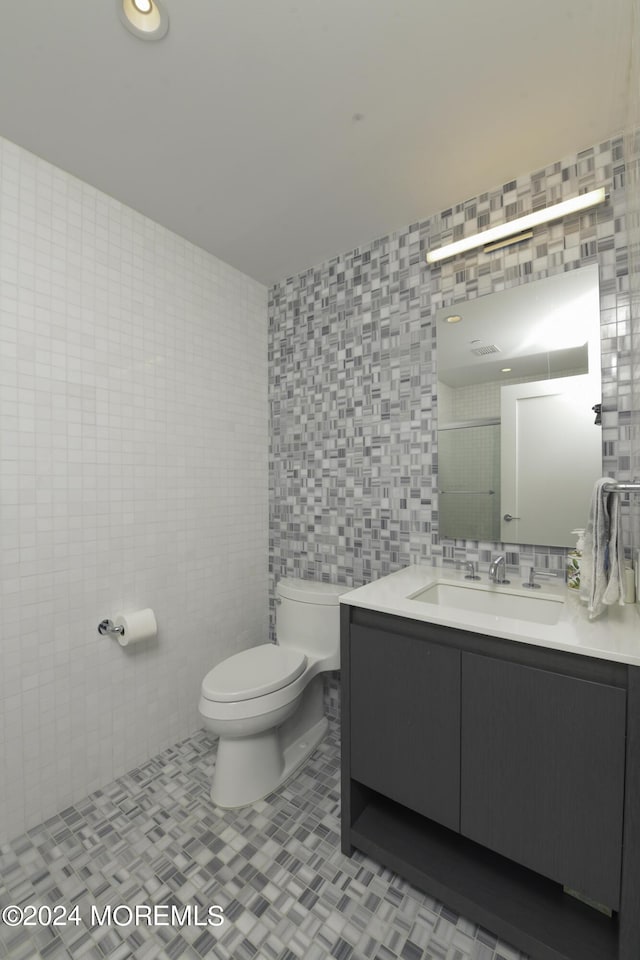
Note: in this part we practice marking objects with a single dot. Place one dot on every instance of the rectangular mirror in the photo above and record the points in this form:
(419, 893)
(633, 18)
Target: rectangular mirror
(518, 447)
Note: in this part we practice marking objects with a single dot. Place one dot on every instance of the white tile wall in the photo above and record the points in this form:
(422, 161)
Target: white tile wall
(133, 473)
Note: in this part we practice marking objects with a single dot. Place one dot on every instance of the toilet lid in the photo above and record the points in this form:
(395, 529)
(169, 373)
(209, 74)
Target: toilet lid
(253, 673)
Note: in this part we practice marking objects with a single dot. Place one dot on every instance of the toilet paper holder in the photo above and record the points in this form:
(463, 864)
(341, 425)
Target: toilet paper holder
(108, 627)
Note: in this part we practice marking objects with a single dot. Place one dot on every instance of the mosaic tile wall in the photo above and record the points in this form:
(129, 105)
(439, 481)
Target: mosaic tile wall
(632, 179)
(352, 353)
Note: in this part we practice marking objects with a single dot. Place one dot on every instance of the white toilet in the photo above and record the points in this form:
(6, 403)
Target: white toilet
(266, 704)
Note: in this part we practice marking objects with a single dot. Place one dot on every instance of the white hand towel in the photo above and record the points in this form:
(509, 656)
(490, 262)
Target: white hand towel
(615, 575)
(602, 561)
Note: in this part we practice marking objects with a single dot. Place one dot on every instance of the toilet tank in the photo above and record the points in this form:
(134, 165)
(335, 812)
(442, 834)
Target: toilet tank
(308, 618)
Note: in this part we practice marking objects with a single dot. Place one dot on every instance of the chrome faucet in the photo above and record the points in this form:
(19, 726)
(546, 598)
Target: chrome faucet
(531, 583)
(497, 570)
(533, 573)
(471, 568)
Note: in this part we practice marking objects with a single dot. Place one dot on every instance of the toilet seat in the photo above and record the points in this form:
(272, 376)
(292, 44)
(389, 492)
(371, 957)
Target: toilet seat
(253, 673)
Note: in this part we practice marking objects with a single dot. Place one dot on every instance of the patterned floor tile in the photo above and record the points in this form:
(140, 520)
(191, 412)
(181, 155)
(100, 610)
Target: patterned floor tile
(153, 838)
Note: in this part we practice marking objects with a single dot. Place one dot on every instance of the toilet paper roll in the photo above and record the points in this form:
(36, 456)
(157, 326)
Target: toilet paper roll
(138, 626)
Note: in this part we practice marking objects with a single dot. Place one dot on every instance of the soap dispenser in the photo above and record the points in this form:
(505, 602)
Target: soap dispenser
(573, 561)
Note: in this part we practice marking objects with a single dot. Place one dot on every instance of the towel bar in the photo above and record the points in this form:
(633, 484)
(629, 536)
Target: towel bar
(468, 492)
(631, 486)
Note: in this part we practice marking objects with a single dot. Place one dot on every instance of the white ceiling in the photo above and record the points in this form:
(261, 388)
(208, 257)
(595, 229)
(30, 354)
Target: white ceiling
(277, 133)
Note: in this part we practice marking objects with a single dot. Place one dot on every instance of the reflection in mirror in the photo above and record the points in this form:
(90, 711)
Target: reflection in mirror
(518, 448)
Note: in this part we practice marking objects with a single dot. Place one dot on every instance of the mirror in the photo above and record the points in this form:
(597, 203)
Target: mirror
(518, 447)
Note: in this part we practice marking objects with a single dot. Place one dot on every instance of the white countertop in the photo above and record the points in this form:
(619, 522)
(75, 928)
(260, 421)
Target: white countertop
(613, 636)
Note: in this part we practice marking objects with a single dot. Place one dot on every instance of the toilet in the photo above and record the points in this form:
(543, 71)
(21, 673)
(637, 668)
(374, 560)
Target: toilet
(266, 704)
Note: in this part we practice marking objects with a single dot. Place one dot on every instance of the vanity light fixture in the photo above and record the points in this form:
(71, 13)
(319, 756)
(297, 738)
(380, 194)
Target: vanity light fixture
(514, 231)
(146, 19)
(508, 241)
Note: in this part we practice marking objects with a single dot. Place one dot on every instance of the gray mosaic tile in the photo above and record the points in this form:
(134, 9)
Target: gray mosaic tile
(153, 837)
(352, 359)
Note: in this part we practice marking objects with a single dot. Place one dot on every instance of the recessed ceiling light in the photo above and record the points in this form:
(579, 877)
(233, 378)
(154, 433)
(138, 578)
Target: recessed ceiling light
(506, 370)
(146, 19)
(453, 318)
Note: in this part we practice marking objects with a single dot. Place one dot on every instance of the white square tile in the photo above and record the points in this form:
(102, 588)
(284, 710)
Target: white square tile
(128, 359)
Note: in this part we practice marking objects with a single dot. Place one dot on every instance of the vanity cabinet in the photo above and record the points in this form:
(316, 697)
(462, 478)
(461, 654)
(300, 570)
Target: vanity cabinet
(496, 775)
(543, 772)
(419, 684)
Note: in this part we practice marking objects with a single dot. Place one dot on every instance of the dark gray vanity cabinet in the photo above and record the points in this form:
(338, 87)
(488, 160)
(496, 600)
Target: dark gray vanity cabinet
(496, 775)
(543, 772)
(389, 749)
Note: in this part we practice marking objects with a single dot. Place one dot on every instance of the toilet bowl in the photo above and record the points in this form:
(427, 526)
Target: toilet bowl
(266, 704)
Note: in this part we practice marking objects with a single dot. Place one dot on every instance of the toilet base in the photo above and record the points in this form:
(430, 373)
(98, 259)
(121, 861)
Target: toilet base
(297, 753)
(268, 767)
(249, 768)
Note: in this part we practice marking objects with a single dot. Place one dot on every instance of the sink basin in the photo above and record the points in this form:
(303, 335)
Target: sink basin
(493, 601)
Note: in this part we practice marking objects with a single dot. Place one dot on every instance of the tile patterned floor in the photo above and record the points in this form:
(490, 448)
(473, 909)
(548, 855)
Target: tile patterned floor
(287, 892)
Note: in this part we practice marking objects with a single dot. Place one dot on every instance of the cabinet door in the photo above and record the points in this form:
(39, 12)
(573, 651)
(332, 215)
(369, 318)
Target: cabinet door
(542, 772)
(405, 721)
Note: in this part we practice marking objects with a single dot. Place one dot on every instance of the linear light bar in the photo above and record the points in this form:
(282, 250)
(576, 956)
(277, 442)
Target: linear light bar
(507, 242)
(503, 230)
